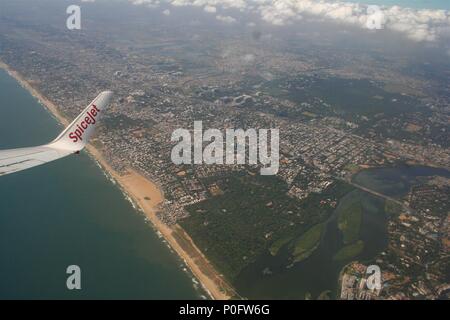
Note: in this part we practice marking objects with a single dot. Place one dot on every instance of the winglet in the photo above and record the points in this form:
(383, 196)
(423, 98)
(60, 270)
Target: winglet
(76, 136)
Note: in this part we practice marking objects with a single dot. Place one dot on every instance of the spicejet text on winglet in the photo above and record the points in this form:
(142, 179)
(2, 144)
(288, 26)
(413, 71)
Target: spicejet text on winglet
(89, 120)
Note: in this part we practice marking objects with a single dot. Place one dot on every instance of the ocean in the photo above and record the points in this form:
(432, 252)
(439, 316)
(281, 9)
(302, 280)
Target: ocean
(68, 213)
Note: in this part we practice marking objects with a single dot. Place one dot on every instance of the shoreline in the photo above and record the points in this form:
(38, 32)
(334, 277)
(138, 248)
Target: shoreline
(147, 196)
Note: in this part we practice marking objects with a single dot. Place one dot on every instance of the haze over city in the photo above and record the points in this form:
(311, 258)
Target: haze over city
(351, 97)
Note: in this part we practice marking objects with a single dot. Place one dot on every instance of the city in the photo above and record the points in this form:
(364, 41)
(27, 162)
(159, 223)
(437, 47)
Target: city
(349, 123)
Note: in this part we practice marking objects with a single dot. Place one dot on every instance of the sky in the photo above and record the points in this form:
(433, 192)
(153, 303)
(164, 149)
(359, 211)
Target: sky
(417, 4)
(417, 20)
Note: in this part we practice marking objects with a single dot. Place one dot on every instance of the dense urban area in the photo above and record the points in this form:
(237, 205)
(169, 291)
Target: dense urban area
(341, 114)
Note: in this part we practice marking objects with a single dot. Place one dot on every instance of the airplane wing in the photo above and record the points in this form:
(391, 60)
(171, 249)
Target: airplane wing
(24, 158)
(72, 140)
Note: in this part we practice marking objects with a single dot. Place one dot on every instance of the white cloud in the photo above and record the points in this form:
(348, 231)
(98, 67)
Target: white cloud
(418, 25)
(226, 19)
(148, 3)
(166, 12)
(210, 9)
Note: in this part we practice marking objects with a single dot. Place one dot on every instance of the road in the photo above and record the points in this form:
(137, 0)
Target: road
(375, 193)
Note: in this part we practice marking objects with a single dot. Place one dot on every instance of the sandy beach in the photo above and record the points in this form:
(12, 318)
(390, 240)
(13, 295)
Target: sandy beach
(148, 196)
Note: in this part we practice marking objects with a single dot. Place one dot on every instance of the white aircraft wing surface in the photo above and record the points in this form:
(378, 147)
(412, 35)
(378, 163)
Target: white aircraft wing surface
(72, 140)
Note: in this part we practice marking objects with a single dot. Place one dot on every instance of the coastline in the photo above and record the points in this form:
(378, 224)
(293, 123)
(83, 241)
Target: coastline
(147, 196)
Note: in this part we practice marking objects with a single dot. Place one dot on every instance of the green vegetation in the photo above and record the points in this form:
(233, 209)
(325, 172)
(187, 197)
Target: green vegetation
(325, 295)
(252, 216)
(349, 221)
(308, 242)
(278, 244)
(349, 252)
(392, 208)
(352, 167)
(309, 114)
(362, 102)
(348, 97)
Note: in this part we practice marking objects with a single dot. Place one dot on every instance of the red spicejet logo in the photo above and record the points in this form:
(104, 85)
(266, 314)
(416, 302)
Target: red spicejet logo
(83, 125)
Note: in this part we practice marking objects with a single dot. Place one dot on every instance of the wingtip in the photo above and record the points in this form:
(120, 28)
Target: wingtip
(105, 96)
